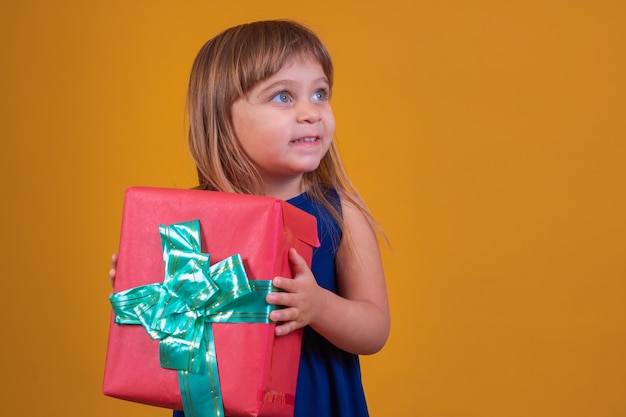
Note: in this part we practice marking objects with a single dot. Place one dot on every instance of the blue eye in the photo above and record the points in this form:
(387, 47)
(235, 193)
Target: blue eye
(320, 95)
(282, 97)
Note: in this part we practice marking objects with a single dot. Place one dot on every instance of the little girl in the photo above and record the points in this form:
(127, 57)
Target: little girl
(261, 123)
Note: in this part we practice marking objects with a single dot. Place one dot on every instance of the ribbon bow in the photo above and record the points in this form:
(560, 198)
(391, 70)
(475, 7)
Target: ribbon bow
(179, 312)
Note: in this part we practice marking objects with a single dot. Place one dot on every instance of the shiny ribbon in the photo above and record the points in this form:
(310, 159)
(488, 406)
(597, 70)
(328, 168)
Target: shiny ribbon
(179, 312)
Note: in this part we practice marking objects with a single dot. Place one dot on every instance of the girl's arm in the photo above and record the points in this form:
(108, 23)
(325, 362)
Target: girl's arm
(355, 320)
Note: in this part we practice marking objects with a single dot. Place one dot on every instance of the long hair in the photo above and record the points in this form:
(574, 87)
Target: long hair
(225, 69)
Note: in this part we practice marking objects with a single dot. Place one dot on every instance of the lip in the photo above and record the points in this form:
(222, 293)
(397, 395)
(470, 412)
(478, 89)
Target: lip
(306, 140)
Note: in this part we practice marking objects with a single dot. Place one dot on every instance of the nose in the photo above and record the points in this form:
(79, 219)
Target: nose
(308, 113)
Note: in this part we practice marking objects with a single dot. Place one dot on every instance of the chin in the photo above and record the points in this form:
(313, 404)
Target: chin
(310, 168)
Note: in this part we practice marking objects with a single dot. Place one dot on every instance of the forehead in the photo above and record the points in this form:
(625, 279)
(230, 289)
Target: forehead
(299, 67)
(301, 61)
(295, 73)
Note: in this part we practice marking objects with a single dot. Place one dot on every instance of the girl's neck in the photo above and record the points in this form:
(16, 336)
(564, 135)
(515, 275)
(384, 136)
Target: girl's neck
(283, 189)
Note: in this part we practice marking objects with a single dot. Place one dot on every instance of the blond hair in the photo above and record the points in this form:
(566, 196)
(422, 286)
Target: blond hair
(225, 69)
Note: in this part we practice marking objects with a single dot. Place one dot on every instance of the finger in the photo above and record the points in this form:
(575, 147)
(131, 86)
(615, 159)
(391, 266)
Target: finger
(283, 315)
(284, 329)
(114, 260)
(112, 276)
(277, 298)
(298, 264)
(285, 284)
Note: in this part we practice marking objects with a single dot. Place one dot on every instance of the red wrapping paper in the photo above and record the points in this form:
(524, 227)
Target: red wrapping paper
(258, 371)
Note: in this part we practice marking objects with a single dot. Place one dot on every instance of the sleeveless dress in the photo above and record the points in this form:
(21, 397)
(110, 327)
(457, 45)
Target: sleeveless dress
(329, 379)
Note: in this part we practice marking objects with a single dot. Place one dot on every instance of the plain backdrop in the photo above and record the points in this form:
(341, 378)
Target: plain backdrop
(487, 137)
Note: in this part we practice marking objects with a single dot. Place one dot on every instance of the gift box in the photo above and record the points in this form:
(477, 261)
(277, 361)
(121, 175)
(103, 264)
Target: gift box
(257, 370)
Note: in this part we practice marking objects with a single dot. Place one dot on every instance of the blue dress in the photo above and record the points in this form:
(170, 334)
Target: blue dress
(329, 379)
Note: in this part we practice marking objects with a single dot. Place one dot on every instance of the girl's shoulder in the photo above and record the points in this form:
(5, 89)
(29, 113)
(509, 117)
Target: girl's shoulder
(316, 205)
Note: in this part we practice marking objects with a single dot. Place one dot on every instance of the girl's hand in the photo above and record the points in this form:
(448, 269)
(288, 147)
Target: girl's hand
(302, 297)
(112, 270)
(356, 319)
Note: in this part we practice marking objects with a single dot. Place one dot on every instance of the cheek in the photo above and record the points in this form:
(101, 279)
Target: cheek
(329, 123)
(244, 129)
(242, 119)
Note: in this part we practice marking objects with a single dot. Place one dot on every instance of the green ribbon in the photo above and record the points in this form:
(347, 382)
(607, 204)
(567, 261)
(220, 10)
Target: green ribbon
(179, 312)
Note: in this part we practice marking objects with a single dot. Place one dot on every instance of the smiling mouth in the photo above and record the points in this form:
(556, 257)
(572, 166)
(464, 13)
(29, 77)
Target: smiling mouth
(305, 140)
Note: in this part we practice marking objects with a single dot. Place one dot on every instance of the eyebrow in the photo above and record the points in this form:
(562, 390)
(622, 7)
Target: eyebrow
(288, 82)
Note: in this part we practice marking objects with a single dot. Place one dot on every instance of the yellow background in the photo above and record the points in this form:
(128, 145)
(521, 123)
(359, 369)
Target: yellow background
(488, 138)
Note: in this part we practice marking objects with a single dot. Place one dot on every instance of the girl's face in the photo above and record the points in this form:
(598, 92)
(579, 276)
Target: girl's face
(286, 125)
